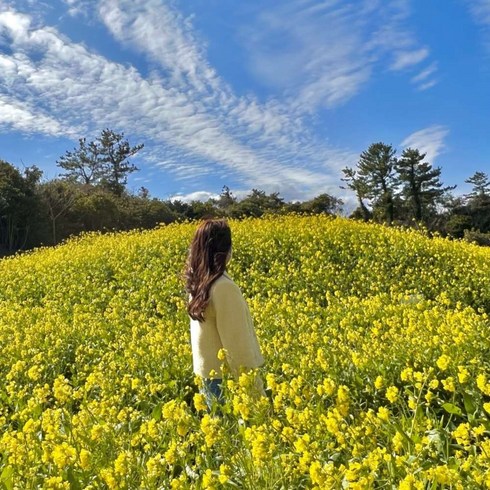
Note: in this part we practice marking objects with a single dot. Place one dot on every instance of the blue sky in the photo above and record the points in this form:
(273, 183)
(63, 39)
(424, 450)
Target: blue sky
(278, 96)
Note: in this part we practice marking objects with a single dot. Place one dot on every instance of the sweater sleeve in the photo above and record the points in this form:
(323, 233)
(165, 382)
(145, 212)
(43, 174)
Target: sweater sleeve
(235, 327)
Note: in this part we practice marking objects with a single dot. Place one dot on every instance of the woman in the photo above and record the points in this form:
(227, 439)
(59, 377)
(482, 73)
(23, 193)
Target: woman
(220, 318)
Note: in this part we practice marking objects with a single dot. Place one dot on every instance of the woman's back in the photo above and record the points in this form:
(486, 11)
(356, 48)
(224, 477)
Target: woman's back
(227, 325)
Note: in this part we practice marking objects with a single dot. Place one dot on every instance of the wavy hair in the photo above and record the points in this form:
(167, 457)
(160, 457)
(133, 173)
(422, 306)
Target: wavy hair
(206, 263)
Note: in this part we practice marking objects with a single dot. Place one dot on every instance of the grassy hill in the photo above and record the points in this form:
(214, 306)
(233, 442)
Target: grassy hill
(377, 355)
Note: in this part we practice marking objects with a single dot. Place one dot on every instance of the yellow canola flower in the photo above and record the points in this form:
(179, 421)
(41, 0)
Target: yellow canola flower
(397, 442)
(434, 384)
(62, 390)
(444, 475)
(85, 458)
(155, 465)
(383, 413)
(222, 354)
(410, 483)
(108, 477)
(208, 480)
(210, 427)
(337, 312)
(199, 402)
(261, 444)
(172, 453)
(56, 483)
(122, 463)
(302, 443)
(463, 374)
(34, 372)
(448, 384)
(407, 374)
(443, 362)
(462, 434)
(392, 394)
(483, 384)
(224, 474)
(64, 455)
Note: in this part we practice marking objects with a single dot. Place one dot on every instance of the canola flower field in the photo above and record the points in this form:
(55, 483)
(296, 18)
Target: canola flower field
(377, 352)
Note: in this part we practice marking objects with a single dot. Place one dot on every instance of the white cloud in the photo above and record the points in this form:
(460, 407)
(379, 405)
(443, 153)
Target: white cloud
(405, 59)
(428, 140)
(427, 85)
(424, 74)
(194, 196)
(480, 10)
(163, 34)
(18, 116)
(78, 7)
(424, 80)
(322, 54)
(192, 123)
(14, 24)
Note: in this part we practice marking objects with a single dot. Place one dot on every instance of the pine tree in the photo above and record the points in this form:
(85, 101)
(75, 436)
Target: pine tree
(376, 168)
(421, 185)
(478, 201)
(115, 152)
(481, 185)
(84, 164)
(359, 186)
(102, 161)
(226, 198)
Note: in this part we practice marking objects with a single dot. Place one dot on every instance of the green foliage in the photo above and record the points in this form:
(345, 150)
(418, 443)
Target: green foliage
(376, 167)
(420, 183)
(103, 161)
(457, 224)
(322, 204)
(359, 185)
(18, 205)
(477, 237)
(481, 185)
(115, 152)
(256, 204)
(58, 197)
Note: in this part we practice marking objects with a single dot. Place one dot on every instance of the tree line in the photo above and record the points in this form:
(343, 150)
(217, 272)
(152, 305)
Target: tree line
(91, 195)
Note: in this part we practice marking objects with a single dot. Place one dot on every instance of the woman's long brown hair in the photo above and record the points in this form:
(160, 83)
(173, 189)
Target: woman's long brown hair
(206, 263)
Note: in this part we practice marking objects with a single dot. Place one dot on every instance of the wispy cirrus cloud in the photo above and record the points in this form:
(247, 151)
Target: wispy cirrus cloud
(429, 140)
(405, 59)
(189, 118)
(79, 7)
(480, 9)
(19, 116)
(322, 54)
(424, 79)
(164, 36)
(425, 74)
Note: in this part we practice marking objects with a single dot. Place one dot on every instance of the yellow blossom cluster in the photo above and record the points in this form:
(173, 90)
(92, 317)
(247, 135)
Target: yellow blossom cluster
(377, 366)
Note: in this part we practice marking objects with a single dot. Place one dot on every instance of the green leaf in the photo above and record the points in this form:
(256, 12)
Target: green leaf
(7, 477)
(73, 480)
(469, 403)
(452, 409)
(157, 412)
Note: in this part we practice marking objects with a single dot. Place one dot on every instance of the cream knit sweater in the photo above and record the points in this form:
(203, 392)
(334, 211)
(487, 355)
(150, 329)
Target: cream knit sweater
(227, 324)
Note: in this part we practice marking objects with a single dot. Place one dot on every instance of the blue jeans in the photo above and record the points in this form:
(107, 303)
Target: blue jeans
(212, 391)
